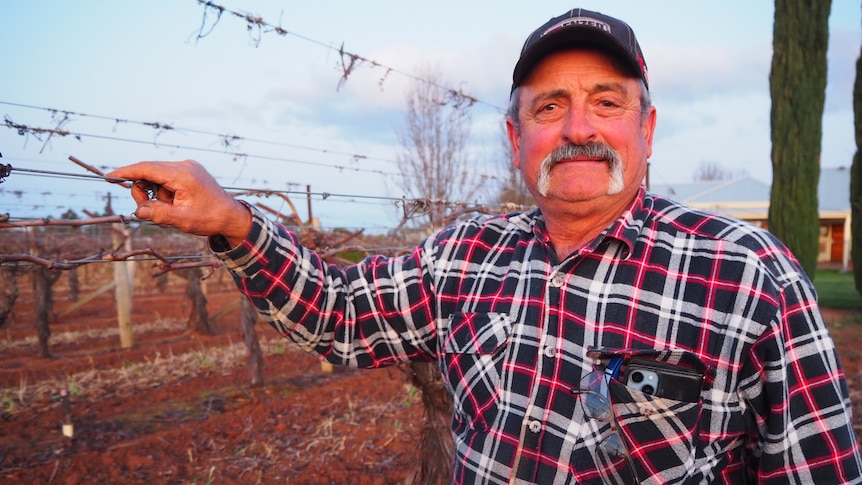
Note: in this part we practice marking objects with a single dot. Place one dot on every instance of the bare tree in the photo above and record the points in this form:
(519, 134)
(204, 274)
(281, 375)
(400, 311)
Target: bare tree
(8, 292)
(43, 280)
(513, 189)
(436, 445)
(712, 170)
(199, 321)
(248, 317)
(433, 160)
(434, 165)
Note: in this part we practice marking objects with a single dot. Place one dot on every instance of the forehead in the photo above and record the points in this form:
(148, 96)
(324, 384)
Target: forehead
(579, 62)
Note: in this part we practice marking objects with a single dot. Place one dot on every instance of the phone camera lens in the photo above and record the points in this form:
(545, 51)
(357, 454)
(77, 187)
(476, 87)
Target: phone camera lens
(647, 389)
(637, 377)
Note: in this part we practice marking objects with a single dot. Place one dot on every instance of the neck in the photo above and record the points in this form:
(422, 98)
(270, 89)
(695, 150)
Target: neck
(574, 225)
(572, 236)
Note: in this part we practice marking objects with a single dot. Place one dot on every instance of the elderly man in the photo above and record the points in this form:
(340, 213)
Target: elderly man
(606, 336)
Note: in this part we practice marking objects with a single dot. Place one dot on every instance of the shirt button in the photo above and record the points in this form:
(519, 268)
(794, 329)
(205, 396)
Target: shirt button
(557, 280)
(550, 351)
(535, 426)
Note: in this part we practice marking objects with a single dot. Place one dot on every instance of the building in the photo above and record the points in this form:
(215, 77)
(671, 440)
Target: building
(748, 199)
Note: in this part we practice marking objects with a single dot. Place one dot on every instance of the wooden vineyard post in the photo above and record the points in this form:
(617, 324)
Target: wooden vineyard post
(123, 279)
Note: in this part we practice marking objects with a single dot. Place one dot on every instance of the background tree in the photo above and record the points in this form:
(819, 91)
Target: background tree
(248, 317)
(8, 292)
(432, 158)
(856, 182)
(797, 84)
(43, 280)
(74, 284)
(513, 189)
(712, 170)
(199, 320)
(434, 164)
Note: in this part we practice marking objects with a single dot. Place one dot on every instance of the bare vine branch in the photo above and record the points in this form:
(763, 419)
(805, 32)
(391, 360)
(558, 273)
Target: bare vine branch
(66, 222)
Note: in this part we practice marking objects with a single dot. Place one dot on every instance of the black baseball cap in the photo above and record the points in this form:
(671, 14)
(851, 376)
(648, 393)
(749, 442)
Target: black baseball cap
(579, 28)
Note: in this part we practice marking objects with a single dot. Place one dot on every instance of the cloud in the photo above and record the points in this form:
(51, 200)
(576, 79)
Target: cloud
(684, 73)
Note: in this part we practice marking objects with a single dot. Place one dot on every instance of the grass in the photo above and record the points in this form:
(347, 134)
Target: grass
(837, 290)
(127, 377)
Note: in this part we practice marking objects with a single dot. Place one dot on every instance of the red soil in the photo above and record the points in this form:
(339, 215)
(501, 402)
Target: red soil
(199, 421)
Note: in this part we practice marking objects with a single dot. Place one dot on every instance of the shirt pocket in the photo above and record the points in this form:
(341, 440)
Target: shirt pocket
(475, 350)
(661, 434)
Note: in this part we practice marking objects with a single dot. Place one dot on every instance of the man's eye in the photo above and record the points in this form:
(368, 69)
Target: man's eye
(549, 107)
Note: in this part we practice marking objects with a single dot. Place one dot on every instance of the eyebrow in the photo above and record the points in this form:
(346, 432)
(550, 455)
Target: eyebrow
(612, 86)
(596, 89)
(555, 93)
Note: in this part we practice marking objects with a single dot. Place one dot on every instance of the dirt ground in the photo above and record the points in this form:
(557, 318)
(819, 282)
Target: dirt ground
(177, 407)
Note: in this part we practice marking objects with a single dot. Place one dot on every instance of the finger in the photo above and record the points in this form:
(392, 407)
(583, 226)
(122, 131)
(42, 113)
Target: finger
(162, 194)
(146, 212)
(140, 192)
(158, 173)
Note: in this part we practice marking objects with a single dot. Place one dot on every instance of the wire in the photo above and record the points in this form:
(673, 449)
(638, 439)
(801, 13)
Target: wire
(226, 138)
(418, 202)
(457, 96)
(237, 155)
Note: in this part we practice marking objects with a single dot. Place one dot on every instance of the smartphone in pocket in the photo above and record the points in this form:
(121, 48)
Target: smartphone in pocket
(662, 379)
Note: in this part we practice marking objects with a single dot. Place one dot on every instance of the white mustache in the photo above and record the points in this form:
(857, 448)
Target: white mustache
(587, 150)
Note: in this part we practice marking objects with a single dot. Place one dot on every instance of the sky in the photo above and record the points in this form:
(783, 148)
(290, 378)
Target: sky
(274, 109)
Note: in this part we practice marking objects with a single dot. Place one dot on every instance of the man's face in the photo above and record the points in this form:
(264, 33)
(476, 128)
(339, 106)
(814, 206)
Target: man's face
(576, 110)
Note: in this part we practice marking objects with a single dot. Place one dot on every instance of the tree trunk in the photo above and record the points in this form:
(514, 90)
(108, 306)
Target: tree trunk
(436, 446)
(8, 293)
(248, 316)
(856, 182)
(74, 284)
(797, 84)
(199, 321)
(162, 283)
(44, 303)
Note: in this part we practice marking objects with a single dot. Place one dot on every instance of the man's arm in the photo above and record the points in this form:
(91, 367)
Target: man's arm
(802, 400)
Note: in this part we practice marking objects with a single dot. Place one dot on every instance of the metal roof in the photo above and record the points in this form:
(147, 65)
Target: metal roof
(748, 198)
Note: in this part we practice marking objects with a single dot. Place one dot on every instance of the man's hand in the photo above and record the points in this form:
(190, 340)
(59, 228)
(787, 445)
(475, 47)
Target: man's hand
(185, 196)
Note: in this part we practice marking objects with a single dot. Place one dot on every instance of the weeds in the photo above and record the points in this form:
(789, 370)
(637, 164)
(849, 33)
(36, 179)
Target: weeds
(74, 336)
(73, 385)
(96, 383)
(204, 360)
(8, 405)
(279, 347)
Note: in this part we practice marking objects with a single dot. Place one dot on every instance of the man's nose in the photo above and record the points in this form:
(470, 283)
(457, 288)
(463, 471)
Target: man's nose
(579, 126)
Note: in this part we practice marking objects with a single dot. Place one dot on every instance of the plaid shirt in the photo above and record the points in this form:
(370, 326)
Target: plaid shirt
(511, 328)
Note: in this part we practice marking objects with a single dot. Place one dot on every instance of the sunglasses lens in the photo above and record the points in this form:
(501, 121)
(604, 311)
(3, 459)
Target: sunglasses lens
(613, 461)
(611, 455)
(613, 448)
(595, 401)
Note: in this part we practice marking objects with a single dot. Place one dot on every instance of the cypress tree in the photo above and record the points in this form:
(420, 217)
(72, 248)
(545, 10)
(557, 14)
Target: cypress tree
(856, 181)
(797, 84)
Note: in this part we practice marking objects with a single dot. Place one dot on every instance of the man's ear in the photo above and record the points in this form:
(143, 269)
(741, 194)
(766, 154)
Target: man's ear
(515, 140)
(648, 129)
